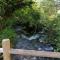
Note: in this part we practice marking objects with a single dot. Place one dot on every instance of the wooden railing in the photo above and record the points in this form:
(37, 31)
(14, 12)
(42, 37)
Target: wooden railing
(7, 51)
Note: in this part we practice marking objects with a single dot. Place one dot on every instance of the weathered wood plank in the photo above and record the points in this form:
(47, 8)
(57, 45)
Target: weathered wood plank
(6, 49)
(35, 53)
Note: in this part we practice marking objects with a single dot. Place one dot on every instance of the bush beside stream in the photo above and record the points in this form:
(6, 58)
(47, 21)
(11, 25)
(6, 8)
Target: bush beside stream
(31, 18)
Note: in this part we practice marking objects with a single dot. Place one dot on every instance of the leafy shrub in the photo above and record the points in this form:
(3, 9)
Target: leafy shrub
(51, 21)
(7, 33)
(26, 15)
(32, 17)
(7, 7)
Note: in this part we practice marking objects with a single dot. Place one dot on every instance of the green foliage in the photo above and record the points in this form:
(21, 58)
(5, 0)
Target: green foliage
(7, 33)
(43, 16)
(51, 20)
(7, 17)
(26, 15)
(57, 28)
(7, 7)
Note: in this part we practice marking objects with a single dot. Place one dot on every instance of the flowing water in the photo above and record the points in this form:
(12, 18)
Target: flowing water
(33, 42)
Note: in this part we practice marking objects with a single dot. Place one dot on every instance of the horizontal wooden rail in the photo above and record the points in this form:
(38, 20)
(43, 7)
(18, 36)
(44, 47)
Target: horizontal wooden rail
(33, 53)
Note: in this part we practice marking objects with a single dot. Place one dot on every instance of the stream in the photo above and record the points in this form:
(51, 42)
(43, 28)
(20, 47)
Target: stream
(33, 42)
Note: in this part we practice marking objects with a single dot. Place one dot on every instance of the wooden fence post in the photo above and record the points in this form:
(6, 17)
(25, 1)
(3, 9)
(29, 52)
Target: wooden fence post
(6, 49)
